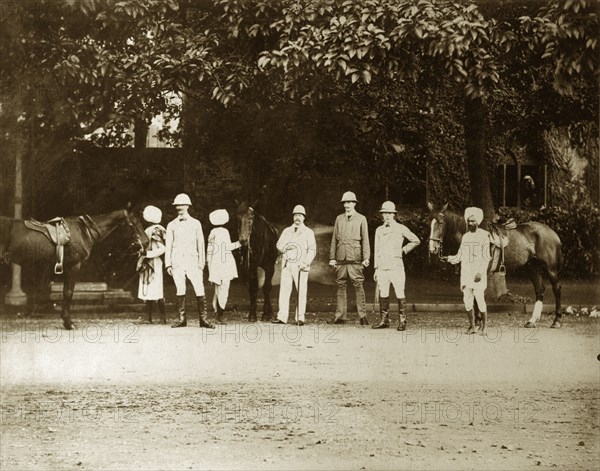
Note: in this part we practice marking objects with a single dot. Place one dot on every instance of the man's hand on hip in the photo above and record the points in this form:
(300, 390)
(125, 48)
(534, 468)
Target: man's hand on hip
(332, 263)
(170, 271)
(365, 263)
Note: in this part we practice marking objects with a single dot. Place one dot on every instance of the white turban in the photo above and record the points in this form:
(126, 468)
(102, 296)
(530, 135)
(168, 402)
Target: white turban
(152, 214)
(219, 217)
(474, 212)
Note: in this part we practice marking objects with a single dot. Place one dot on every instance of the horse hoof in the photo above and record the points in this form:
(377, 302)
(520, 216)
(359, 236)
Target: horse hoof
(556, 325)
(69, 325)
(252, 319)
(530, 325)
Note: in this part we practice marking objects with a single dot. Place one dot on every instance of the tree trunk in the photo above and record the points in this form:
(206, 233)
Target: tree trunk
(475, 125)
(140, 131)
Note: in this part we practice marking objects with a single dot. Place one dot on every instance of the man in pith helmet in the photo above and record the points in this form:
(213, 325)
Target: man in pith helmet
(389, 263)
(349, 255)
(185, 259)
(298, 249)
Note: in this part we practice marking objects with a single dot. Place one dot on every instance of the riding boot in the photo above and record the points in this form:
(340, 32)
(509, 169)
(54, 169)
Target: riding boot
(182, 322)
(161, 308)
(202, 314)
(402, 315)
(220, 313)
(471, 316)
(384, 309)
(483, 323)
(477, 313)
(149, 311)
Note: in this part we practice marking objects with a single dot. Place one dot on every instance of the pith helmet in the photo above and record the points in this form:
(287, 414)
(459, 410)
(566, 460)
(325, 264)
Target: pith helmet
(299, 209)
(349, 196)
(219, 217)
(388, 207)
(152, 214)
(182, 199)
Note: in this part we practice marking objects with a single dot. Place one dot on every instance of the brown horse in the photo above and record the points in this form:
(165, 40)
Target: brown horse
(259, 239)
(530, 244)
(34, 251)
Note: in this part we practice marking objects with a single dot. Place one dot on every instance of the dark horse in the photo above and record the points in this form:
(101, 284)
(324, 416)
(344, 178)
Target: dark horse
(531, 244)
(259, 239)
(33, 250)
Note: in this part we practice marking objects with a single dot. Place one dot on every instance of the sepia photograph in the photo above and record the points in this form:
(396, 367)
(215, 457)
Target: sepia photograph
(299, 235)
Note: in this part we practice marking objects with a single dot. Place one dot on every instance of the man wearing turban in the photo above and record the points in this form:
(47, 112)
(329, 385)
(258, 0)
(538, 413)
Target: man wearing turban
(474, 257)
(150, 265)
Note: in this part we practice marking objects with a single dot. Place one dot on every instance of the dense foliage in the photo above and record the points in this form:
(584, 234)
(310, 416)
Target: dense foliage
(451, 84)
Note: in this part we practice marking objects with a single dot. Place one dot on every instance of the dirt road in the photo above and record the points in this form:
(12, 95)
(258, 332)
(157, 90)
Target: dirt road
(119, 395)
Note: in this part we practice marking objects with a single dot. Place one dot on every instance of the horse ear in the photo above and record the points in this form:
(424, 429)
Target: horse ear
(128, 207)
(236, 201)
(429, 206)
(444, 208)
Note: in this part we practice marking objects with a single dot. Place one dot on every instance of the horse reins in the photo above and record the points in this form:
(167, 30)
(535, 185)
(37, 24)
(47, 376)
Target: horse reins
(440, 241)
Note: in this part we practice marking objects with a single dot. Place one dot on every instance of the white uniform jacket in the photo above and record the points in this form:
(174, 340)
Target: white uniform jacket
(185, 243)
(297, 245)
(219, 256)
(389, 243)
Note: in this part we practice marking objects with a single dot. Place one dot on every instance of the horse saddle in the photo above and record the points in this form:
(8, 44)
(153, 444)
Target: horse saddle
(498, 242)
(499, 232)
(57, 231)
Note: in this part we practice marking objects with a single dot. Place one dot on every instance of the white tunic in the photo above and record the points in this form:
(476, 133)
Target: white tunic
(185, 243)
(219, 256)
(150, 287)
(474, 257)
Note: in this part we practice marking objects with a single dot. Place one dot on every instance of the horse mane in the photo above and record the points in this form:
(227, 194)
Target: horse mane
(265, 239)
(455, 227)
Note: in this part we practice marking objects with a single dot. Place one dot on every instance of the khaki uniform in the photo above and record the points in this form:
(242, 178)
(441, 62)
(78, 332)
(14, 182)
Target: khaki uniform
(349, 247)
(389, 250)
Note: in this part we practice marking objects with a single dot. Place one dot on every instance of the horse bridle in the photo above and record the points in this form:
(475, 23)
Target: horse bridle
(439, 240)
(137, 241)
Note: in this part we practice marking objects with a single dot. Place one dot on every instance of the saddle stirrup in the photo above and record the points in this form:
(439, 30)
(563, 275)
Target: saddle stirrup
(58, 267)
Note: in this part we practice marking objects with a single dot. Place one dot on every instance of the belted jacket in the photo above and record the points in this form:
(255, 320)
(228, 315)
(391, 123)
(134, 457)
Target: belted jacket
(350, 241)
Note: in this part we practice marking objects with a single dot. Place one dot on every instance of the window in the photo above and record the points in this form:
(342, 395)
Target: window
(522, 186)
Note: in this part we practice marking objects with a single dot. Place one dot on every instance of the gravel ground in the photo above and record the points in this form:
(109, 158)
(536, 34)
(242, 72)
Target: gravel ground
(116, 394)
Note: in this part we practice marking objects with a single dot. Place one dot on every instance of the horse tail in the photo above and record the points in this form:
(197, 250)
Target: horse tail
(6, 225)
